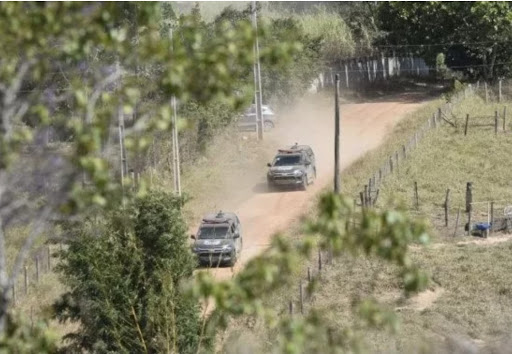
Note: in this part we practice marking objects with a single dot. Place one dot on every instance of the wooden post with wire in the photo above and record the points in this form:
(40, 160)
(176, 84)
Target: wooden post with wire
(496, 122)
(469, 200)
(37, 269)
(416, 197)
(504, 118)
(301, 298)
(466, 125)
(499, 90)
(446, 207)
(491, 226)
(25, 276)
(319, 260)
(456, 223)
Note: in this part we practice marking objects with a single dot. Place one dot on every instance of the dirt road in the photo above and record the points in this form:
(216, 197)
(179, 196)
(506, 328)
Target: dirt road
(363, 127)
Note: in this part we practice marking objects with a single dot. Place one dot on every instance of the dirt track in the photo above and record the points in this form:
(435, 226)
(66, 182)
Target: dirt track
(363, 127)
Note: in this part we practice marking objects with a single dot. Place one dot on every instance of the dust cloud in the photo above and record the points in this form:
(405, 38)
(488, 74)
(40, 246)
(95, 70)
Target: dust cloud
(310, 122)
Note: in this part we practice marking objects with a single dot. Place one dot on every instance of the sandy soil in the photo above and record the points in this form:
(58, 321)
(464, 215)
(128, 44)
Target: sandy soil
(363, 127)
(422, 300)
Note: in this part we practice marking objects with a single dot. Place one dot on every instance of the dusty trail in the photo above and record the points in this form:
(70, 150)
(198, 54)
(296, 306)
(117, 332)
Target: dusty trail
(363, 127)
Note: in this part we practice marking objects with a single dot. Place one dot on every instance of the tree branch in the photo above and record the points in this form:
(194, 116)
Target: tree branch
(98, 89)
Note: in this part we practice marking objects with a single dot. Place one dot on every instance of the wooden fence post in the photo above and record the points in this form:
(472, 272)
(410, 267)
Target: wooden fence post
(380, 175)
(309, 274)
(14, 294)
(466, 126)
(446, 207)
(416, 198)
(404, 152)
(397, 163)
(439, 115)
(434, 120)
(37, 269)
(319, 260)
(301, 298)
(486, 93)
(504, 118)
(361, 195)
(290, 307)
(456, 223)
(469, 200)
(365, 194)
(48, 253)
(496, 122)
(25, 276)
(499, 91)
(391, 164)
(492, 217)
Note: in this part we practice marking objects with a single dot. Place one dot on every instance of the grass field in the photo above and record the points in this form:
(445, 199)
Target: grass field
(467, 307)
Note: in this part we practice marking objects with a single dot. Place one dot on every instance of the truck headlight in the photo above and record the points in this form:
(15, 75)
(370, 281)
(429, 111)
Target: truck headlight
(298, 173)
(226, 248)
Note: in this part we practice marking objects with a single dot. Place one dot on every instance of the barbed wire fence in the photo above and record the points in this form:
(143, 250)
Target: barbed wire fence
(41, 262)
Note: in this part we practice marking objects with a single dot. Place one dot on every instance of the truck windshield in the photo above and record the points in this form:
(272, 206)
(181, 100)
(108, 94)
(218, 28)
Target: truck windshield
(287, 160)
(213, 232)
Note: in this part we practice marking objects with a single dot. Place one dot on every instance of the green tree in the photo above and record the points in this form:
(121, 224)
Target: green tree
(125, 283)
(474, 36)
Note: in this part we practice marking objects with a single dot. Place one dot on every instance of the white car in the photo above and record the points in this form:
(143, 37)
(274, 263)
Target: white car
(248, 120)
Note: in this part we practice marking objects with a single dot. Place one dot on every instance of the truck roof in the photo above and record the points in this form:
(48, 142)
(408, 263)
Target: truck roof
(294, 149)
(219, 218)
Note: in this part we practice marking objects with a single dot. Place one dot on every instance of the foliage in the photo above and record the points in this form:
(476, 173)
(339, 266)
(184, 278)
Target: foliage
(384, 235)
(336, 38)
(283, 84)
(82, 67)
(480, 32)
(125, 282)
(21, 338)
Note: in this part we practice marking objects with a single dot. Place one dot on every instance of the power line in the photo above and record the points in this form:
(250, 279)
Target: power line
(440, 44)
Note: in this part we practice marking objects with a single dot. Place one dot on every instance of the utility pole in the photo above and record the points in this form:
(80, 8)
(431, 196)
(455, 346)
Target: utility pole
(122, 150)
(175, 143)
(176, 149)
(257, 75)
(336, 135)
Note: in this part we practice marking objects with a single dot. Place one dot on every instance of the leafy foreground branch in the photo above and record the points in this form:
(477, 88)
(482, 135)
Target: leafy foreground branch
(341, 230)
(128, 281)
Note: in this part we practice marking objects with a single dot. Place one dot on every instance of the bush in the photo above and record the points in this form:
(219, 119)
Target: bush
(125, 283)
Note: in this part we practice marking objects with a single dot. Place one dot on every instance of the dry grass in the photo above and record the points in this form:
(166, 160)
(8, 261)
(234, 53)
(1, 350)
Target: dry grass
(446, 159)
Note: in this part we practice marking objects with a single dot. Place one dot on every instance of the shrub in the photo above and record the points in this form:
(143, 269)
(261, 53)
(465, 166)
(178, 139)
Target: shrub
(125, 282)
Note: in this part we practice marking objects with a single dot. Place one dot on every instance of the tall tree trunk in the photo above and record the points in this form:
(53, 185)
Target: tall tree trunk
(493, 61)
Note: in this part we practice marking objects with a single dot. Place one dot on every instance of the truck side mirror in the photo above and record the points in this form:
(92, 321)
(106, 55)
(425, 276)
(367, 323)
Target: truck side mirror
(269, 165)
(236, 236)
(193, 237)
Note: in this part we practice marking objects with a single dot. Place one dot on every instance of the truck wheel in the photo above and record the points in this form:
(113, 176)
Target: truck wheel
(232, 262)
(304, 184)
(268, 125)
